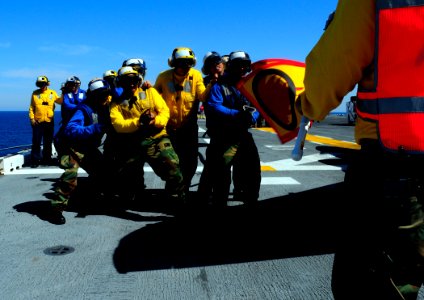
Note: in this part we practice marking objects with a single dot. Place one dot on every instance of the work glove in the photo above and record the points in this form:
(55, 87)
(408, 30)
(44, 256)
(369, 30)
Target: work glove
(146, 118)
(247, 116)
(246, 119)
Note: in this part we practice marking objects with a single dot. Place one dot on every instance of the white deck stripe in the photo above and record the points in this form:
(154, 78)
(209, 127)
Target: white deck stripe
(278, 181)
(276, 166)
(39, 171)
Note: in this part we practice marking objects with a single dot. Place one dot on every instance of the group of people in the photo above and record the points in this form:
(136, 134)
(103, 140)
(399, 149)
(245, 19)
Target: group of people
(139, 123)
(383, 55)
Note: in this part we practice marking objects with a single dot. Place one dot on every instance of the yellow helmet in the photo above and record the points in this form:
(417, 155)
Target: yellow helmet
(183, 54)
(128, 74)
(110, 73)
(127, 71)
(41, 81)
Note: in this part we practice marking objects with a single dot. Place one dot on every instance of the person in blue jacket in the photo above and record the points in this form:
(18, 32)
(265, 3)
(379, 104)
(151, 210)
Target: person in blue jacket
(74, 96)
(82, 136)
(111, 77)
(229, 116)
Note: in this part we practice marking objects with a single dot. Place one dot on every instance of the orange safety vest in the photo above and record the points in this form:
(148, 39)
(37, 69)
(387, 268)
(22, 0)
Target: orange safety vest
(396, 102)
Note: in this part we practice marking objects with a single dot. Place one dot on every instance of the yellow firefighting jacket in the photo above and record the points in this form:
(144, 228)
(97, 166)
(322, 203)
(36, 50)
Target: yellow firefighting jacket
(339, 61)
(181, 94)
(125, 115)
(42, 105)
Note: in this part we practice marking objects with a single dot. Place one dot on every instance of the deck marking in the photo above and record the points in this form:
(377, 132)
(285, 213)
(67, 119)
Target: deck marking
(281, 147)
(289, 164)
(278, 181)
(271, 166)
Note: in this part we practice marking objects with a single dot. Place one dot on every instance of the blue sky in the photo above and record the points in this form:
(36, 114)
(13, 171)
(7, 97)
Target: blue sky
(85, 38)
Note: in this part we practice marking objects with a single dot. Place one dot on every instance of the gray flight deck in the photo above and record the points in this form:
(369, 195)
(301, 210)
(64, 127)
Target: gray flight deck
(150, 249)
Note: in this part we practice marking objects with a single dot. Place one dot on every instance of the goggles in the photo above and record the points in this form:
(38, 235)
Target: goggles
(215, 60)
(184, 63)
(128, 80)
(101, 93)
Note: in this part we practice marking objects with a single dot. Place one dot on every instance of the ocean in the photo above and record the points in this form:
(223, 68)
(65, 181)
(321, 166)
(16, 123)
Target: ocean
(16, 131)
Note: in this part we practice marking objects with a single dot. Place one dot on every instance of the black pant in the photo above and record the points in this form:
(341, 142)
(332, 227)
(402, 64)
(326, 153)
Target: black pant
(237, 151)
(186, 145)
(42, 132)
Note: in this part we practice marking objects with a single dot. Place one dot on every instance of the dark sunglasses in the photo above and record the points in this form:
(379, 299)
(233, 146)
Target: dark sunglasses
(129, 80)
(101, 94)
(184, 63)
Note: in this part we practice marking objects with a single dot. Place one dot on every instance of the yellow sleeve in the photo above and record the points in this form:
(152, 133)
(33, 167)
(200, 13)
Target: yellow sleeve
(201, 91)
(205, 94)
(335, 64)
(161, 108)
(32, 108)
(158, 83)
(120, 124)
(59, 99)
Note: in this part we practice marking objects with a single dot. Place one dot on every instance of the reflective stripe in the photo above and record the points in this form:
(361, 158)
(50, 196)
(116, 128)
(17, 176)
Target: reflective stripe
(382, 4)
(142, 95)
(399, 84)
(391, 105)
(188, 86)
(396, 102)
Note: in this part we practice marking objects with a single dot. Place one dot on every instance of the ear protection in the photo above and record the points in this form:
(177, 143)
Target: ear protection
(98, 84)
(238, 56)
(208, 59)
(41, 81)
(181, 53)
(127, 71)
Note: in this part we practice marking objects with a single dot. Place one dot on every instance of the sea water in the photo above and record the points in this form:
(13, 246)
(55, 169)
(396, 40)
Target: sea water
(16, 131)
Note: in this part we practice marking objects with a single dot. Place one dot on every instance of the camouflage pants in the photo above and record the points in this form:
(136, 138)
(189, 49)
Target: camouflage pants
(92, 162)
(161, 156)
(68, 180)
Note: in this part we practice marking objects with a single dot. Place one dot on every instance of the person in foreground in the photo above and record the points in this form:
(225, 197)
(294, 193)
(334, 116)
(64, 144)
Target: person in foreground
(382, 244)
(81, 138)
(228, 119)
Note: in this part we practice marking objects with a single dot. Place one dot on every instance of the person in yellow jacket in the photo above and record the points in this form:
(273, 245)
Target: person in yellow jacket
(139, 117)
(41, 115)
(343, 57)
(182, 88)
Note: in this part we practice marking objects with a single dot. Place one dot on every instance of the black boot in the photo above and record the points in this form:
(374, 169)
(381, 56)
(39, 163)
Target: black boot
(56, 217)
